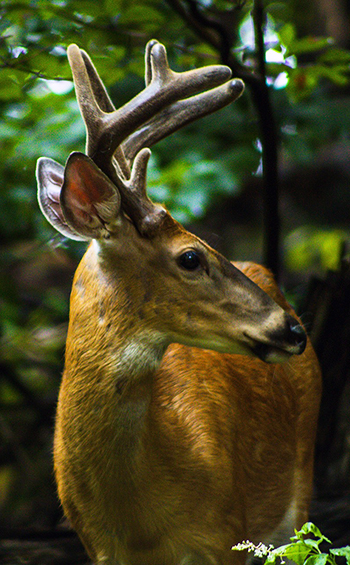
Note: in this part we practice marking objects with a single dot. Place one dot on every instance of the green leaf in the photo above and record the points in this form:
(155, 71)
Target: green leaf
(306, 247)
(297, 552)
(339, 75)
(319, 559)
(145, 15)
(310, 528)
(342, 552)
(302, 82)
(312, 543)
(335, 55)
(287, 35)
(111, 7)
(309, 44)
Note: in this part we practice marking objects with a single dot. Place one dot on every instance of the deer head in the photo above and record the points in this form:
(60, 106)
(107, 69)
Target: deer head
(176, 288)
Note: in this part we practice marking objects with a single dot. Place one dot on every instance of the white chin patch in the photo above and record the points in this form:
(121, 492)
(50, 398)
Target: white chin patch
(277, 356)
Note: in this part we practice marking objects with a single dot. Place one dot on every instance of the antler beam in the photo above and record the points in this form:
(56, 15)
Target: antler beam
(169, 101)
(179, 114)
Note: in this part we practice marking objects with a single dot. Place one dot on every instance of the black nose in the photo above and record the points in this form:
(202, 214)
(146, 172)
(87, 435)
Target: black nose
(298, 335)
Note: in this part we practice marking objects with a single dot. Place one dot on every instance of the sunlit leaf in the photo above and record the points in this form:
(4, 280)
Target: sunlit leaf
(342, 552)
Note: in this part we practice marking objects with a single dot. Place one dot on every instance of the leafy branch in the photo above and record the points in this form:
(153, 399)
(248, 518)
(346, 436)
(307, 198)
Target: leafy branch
(303, 549)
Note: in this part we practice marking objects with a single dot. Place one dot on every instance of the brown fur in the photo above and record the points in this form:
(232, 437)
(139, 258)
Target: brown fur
(184, 460)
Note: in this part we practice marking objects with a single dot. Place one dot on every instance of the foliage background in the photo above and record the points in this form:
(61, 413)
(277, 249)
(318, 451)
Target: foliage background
(210, 175)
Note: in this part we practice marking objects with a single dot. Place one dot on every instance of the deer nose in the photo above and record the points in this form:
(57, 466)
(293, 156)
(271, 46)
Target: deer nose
(298, 336)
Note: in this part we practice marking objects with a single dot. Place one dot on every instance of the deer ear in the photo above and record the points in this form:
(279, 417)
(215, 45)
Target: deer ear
(89, 200)
(50, 176)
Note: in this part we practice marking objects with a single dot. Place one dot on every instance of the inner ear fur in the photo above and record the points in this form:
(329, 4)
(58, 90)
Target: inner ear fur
(90, 202)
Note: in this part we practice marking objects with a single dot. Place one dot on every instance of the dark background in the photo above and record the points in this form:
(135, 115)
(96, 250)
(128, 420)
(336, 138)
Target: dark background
(266, 179)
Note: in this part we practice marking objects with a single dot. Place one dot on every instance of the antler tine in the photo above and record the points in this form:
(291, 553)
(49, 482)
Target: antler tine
(180, 114)
(146, 215)
(105, 103)
(93, 100)
(148, 64)
(98, 88)
(90, 110)
(107, 130)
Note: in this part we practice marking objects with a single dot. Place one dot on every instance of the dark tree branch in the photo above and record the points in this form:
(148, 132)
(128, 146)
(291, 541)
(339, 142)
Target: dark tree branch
(268, 132)
(258, 21)
(215, 33)
(188, 17)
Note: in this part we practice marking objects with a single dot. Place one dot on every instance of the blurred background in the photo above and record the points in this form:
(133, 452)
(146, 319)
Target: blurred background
(266, 179)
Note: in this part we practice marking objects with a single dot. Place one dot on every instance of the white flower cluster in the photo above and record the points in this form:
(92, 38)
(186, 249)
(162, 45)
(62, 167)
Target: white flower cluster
(260, 550)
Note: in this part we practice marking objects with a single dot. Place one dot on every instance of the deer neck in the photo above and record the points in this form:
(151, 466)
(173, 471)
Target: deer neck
(110, 355)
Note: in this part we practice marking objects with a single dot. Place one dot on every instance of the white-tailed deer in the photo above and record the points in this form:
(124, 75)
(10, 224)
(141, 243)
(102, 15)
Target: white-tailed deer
(178, 431)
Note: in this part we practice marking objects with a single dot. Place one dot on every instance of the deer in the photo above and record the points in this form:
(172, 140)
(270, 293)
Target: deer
(188, 406)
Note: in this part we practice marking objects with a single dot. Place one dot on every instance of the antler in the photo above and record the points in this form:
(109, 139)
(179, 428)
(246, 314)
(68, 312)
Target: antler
(116, 139)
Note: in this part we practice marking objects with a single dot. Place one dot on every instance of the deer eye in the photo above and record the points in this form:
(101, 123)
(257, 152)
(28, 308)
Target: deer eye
(189, 260)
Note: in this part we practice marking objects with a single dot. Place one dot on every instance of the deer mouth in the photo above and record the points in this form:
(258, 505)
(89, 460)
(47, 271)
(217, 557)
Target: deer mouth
(280, 347)
(270, 354)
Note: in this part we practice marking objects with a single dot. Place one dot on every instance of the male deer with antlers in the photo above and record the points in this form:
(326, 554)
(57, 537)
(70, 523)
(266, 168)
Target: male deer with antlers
(178, 431)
